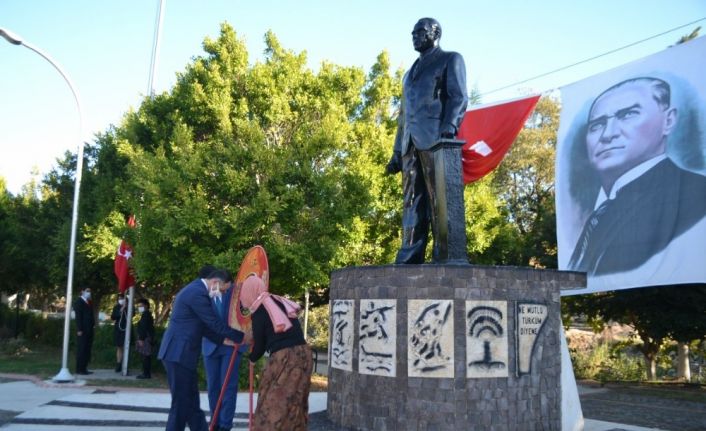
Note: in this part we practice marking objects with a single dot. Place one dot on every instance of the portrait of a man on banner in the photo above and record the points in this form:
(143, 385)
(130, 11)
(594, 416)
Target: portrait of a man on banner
(631, 173)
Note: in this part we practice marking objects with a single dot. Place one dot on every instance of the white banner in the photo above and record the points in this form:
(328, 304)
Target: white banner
(631, 173)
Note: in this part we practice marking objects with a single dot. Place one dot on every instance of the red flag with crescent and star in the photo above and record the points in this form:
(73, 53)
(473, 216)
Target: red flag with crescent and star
(489, 132)
(122, 265)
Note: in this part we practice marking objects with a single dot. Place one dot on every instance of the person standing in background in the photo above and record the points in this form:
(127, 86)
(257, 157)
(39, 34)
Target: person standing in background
(85, 322)
(119, 318)
(145, 337)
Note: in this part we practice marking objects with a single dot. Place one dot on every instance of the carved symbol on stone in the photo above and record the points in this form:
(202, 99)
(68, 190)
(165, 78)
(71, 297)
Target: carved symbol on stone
(431, 339)
(342, 335)
(378, 337)
(486, 339)
(530, 321)
(485, 319)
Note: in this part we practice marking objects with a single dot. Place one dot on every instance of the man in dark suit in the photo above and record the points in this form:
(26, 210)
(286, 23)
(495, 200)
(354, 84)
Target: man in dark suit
(434, 100)
(85, 322)
(645, 200)
(193, 317)
(216, 359)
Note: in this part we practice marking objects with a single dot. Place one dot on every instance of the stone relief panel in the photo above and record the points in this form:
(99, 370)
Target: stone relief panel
(530, 321)
(486, 339)
(377, 337)
(430, 326)
(341, 348)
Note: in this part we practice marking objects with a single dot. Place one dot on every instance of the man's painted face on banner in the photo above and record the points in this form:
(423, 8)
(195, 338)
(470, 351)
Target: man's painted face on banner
(625, 128)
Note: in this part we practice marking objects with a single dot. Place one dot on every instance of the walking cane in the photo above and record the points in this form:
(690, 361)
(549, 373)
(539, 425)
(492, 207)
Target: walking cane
(214, 419)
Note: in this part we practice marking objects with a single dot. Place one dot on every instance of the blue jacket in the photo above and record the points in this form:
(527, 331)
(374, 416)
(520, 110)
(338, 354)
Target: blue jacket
(208, 347)
(193, 317)
(434, 99)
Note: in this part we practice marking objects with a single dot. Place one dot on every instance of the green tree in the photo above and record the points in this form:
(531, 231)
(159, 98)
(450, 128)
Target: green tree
(238, 155)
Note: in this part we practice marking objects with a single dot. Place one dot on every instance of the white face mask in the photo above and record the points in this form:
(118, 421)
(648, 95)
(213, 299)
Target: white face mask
(121, 301)
(214, 292)
(86, 295)
(141, 309)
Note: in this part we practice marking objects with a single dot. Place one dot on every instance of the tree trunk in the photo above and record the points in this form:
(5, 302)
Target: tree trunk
(651, 367)
(683, 370)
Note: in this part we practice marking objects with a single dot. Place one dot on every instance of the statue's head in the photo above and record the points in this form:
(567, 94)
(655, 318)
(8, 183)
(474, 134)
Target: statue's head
(426, 34)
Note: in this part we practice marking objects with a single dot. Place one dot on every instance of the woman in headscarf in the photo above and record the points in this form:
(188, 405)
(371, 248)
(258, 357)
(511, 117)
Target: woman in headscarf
(283, 397)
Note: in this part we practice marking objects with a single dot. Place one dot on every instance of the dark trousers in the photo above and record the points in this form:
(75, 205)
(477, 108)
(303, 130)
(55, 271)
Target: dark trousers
(419, 202)
(185, 408)
(147, 365)
(83, 351)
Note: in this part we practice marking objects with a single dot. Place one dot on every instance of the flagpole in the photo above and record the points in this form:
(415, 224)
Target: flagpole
(128, 330)
(155, 49)
(150, 93)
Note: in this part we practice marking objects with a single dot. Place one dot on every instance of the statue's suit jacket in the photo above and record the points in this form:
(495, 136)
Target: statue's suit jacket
(434, 99)
(193, 317)
(645, 216)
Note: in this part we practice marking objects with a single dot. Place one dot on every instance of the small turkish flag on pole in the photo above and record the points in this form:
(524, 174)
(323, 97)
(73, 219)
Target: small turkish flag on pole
(489, 132)
(121, 265)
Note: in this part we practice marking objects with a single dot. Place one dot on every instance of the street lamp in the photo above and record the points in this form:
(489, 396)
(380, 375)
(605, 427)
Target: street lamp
(64, 374)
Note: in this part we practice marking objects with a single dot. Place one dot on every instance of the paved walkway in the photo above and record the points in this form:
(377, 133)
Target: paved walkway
(27, 404)
(642, 408)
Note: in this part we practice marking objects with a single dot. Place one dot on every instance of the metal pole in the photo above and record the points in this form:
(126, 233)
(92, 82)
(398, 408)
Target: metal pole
(128, 328)
(17, 315)
(155, 49)
(64, 375)
(150, 92)
(306, 314)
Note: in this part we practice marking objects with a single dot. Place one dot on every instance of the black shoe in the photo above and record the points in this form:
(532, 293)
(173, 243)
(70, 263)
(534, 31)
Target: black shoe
(84, 373)
(142, 376)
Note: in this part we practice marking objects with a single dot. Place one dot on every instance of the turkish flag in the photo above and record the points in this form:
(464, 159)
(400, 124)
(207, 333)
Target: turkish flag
(489, 131)
(121, 265)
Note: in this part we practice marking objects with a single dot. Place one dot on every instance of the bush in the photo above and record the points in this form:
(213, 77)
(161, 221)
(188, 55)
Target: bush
(317, 331)
(32, 326)
(609, 362)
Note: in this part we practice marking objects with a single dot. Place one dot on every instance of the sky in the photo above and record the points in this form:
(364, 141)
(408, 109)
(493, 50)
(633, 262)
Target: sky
(105, 48)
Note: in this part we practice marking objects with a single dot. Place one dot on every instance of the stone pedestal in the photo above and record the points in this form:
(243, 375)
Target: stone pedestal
(450, 236)
(446, 347)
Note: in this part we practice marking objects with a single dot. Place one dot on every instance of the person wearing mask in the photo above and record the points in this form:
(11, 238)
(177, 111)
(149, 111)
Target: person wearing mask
(85, 321)
(192, 318)
(283, 397)
(119, 318)
(216, 359)
(145, 337)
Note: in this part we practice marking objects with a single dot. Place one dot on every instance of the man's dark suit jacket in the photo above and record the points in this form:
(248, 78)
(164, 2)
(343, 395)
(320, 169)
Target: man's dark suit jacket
(644, 217)
(193, 317)
(83, 314)
(434, 100)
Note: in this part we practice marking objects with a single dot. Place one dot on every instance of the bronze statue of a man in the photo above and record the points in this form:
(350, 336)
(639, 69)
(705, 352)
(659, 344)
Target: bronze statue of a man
(434, 99)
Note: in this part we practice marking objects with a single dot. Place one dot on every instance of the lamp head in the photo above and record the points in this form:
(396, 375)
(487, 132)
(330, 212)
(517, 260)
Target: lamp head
(10, 37)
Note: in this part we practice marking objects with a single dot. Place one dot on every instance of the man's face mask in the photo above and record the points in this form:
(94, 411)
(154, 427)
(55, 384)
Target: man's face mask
(214, 290)
(121, 301)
